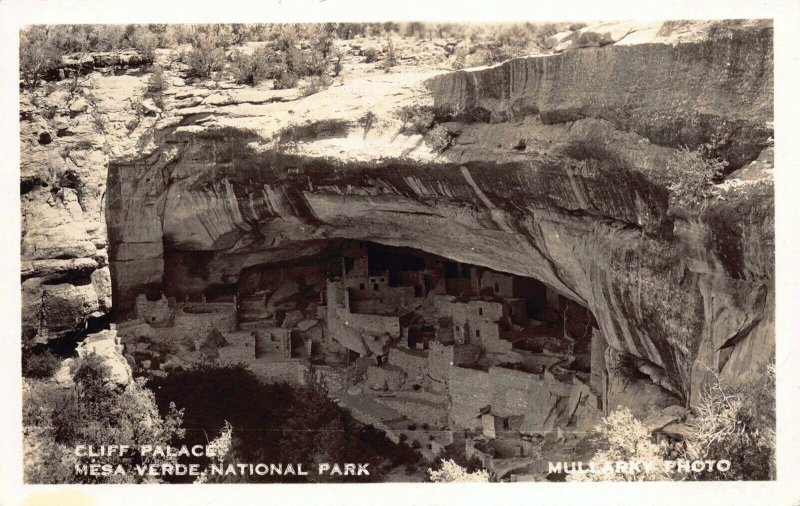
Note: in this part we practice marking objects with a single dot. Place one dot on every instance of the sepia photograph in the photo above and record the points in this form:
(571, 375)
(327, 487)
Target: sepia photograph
(397, 252)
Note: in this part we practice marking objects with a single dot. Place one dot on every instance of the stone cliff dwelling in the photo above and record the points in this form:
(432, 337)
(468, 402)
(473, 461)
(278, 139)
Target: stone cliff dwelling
(492, 257)
(430, 349)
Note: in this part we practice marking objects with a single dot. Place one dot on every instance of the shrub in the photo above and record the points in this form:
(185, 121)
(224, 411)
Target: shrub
(39, 364)
(156, 86)
(498, 53)
(691, 174)
(314, 64)
(94, 414)
(366, 121)
(321, 43)
(207, 55)
(371, 55)
(82, 145)
(272, 422)
(108, 37)
(285, 64)
(216, 34)
(738, 426)
(286, 81)
(513, 40)
(456, 453)
(314, 84)
(244, 68)
(145, 42)
(336, 62)
(440, 138)
(417, 118)
(216, 338)
(37, 55)
(50, 111)
(390, 55)
(626, 439)
(451, 472)
(459, 58)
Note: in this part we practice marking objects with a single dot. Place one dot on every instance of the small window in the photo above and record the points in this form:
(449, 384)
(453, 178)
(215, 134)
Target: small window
(505, 423)
(496, 287)
(375, 286)
(477, 333)
(361, 286)
(480, 311)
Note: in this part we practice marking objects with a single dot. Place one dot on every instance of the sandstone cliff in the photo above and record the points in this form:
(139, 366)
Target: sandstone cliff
(557, 171)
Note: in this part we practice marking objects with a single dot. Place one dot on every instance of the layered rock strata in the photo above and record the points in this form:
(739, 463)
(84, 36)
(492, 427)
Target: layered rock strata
(558, 170)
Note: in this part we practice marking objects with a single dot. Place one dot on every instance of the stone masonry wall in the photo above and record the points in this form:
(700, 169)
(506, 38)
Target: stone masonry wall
(469, 392)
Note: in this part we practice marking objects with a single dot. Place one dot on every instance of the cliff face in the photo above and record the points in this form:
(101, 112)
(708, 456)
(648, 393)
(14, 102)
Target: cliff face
(558, 171)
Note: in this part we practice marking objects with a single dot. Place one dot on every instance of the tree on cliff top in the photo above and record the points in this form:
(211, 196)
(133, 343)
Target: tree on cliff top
(37, 55)
(691, 174)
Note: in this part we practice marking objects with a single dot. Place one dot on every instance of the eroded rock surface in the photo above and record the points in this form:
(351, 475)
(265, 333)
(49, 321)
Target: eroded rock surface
(556, 172)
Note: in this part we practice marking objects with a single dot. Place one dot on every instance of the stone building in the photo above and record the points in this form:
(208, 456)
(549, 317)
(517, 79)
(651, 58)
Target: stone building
(363, 333)
(272, 340)
(373, 293)
(478, 322)
(154, 312)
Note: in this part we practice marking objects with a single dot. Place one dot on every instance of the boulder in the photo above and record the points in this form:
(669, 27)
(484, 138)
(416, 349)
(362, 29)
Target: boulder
(349, 337)
(292, 319)
(65, 307)
(174, 363)
(101, 281)
(215, 338)
(282, 294)
(315, 333)
(63, 375)
(149, 107)
(306, 324)
(78, 106)
(549, 409)
(552, 41)
(54, 270)
(105, 345)
(596, 35)
(378, 344)
(386, 377)
(680, 431)
(627, 388)
(667, 416)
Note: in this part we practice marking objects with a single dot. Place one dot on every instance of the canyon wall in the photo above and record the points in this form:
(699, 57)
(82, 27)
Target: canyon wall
(558, 170)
